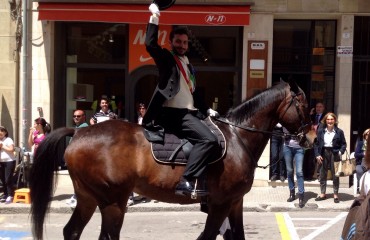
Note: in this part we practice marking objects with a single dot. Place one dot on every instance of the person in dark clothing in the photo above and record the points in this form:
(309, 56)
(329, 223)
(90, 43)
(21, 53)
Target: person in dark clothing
(276, 154)
(173, 103)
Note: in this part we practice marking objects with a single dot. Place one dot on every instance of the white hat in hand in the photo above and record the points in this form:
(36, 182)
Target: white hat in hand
(153, 8)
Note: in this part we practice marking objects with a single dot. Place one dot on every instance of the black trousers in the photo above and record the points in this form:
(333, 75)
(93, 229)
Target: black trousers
(6, 176)
(186, 124)
(328, 164)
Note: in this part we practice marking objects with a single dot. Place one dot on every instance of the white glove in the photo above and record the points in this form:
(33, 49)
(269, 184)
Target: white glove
(212, 113)
(153, 8)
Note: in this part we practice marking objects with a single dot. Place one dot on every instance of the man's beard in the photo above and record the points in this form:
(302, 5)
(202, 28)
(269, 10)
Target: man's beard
(177, 52)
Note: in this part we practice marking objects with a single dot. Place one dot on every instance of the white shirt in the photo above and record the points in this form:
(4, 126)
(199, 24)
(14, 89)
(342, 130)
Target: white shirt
(6, 156)
(328, 138)
(366, 184)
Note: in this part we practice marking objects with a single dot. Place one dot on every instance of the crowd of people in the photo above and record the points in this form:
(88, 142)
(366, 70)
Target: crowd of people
(38, 132)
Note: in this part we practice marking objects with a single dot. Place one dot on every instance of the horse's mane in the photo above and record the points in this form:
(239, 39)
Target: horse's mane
(250, 106)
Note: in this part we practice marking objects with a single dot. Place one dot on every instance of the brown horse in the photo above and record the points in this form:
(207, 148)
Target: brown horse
(109, 160)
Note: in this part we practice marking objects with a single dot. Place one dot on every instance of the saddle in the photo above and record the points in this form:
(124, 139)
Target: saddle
(175, 151)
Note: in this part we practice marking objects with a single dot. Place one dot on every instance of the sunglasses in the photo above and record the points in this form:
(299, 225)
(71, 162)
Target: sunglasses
(77, 116)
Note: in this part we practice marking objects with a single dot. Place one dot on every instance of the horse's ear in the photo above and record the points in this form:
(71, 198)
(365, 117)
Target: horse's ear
(294, 87)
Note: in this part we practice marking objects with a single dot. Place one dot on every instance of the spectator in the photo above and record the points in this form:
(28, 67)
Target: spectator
(104, 114)
(141, 112)
(294, 152)
(330, 146)
(310, 166)
(38, 133)
(276, 154)
(7, 165)
(360, 155)
(317, 113)
(79, 119)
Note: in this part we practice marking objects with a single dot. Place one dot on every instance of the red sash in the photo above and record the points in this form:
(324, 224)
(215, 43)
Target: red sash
(179, 64)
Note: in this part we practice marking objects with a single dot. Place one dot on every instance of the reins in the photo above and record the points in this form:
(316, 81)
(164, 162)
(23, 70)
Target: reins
(252, 129)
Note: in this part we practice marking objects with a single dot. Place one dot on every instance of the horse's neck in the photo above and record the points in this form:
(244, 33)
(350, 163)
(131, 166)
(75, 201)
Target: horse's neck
(264, 119)
(262, 122)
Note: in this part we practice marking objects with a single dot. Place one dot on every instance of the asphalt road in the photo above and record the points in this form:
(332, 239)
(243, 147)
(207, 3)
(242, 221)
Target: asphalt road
(188, 225)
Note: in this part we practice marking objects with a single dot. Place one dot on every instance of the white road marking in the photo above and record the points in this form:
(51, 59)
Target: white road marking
(325, 226)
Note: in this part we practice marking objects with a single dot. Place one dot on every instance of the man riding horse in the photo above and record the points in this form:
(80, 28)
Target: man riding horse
(173, 103)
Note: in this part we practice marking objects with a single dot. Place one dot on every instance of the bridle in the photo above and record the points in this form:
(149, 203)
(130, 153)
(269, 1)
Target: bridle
(298, 106)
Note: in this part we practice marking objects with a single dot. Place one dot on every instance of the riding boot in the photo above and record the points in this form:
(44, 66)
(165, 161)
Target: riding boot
(301, 200)
(291, 196)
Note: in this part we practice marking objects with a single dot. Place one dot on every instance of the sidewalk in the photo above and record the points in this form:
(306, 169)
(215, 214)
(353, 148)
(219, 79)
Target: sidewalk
(260, 199)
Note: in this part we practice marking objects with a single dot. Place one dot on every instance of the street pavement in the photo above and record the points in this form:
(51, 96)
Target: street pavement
(271, 198)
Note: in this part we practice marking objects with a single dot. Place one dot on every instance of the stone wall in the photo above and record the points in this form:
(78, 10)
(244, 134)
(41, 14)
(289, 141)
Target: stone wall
(9, 63)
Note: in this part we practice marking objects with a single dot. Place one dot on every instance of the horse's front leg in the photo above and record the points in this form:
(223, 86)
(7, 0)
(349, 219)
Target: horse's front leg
(236, 222)
(216, 216)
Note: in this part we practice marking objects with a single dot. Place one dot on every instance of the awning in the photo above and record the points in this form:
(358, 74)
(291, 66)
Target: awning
(222, 15)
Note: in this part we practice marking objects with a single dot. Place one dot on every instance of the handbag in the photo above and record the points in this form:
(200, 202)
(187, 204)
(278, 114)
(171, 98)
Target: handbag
(345, 167)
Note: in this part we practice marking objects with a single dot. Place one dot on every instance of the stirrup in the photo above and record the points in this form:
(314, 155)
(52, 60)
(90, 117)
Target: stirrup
(194, 194)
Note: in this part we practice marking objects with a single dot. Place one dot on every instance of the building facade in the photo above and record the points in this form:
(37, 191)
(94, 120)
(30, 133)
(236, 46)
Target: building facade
(80, 50)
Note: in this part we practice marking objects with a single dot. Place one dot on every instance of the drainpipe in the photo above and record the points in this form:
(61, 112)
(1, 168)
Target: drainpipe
(24, 80)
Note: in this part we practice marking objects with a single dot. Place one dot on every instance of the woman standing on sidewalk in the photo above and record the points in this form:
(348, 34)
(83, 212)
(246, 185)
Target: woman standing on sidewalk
(38, 133)
(293, 151)
(330, 146)
(7, 165)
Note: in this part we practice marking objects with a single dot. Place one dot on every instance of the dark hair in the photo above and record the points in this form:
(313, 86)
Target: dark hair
(141, 105)
(45, 125)
(179, 30)
(104, 98)
(3, 129)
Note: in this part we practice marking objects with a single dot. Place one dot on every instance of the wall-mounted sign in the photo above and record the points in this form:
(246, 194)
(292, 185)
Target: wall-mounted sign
(344, 51)
(257, 67)
(257, 64)
(257, 45)
(256, 74)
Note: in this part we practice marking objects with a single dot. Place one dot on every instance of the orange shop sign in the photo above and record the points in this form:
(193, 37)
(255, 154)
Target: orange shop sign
(138, 56)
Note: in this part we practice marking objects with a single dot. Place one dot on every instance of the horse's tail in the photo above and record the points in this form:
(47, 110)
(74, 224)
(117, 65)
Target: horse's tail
(42, 184)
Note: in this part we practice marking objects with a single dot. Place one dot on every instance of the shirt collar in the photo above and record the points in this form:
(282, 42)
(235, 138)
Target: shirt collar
(326, 130)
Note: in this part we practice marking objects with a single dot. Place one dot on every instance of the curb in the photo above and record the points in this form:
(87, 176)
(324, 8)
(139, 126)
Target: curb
(253, 207)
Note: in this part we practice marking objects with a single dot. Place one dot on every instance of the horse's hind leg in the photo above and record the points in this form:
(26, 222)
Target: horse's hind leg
(112, 219)
(80, 217)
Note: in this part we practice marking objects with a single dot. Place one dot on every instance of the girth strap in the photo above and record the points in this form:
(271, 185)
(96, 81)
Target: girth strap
(177, 149)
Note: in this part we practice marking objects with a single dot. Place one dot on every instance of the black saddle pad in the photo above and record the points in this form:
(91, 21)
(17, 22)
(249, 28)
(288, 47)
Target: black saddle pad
(175, 150)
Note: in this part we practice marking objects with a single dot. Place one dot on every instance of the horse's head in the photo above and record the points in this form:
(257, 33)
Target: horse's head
(294, 116)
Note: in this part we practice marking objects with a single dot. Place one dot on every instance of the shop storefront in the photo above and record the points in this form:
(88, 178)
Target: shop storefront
(101, 52)
(91, 48)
